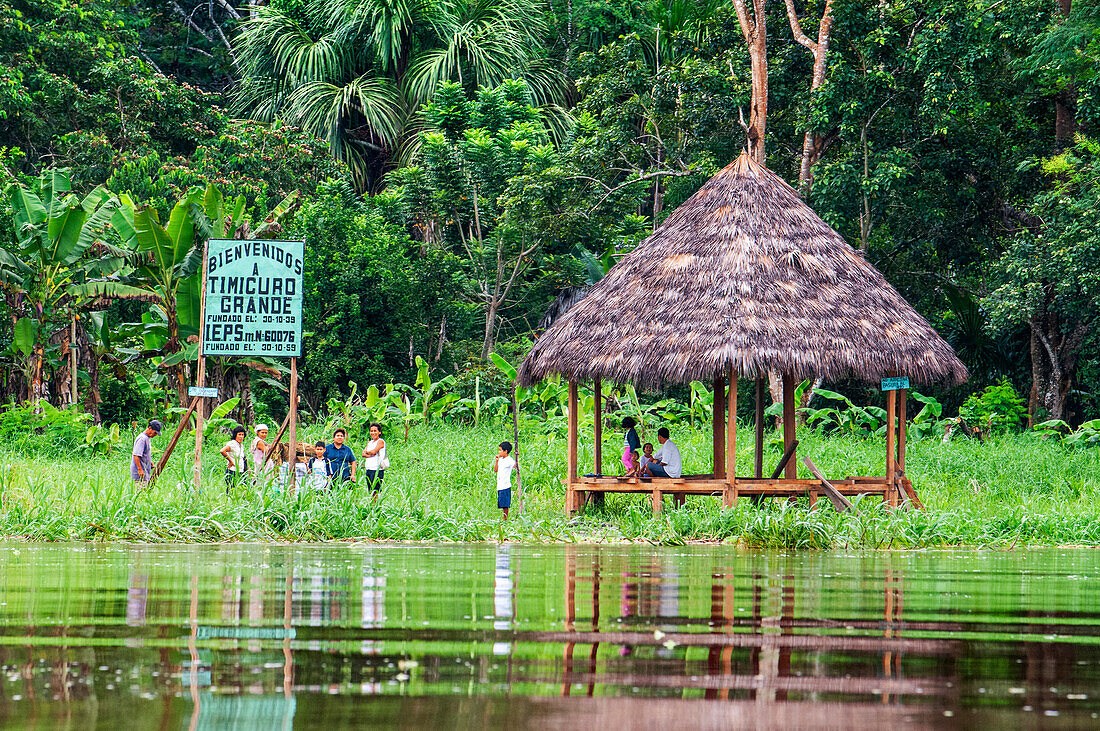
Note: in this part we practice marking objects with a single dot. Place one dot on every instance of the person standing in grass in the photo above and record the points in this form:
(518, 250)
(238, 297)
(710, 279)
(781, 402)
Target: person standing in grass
(318, 468)
(375, 460)
(263, 468)
(503, 466)
(234, 454)
(141, 463)
(340, 458)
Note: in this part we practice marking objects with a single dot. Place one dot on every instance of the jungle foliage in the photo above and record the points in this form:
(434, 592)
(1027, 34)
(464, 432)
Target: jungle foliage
(455, 167)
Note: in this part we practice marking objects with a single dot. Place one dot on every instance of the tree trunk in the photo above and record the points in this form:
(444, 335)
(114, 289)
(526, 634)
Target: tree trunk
(1054, 350)
(1065, 101)
(38, 389)
(490, 329)
(812, 144)
(755, 31)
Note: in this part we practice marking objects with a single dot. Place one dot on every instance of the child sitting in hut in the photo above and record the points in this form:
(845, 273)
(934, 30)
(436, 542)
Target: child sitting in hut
(647, 457)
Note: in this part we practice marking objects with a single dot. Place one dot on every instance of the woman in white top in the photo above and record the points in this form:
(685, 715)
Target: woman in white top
(233, 451)
(374, 459)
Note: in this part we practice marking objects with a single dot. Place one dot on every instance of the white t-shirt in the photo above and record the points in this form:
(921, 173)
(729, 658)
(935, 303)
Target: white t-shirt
(504, 473)
(318, 473)
(669, 453)
(374, 463)
(236, 453)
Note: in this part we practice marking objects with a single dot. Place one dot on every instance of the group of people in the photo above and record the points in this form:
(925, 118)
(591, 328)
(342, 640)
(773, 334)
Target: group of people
(330, 464)
(665, 462)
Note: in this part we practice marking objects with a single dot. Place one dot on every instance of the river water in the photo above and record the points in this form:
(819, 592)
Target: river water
(458, 636)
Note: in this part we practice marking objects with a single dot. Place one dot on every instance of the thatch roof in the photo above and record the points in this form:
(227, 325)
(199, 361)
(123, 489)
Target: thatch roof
(742, 273)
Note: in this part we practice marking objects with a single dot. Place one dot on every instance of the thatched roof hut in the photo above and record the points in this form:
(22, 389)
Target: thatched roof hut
(743, 275)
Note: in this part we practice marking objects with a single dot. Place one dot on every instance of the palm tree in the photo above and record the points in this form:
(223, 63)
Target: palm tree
(355, 72)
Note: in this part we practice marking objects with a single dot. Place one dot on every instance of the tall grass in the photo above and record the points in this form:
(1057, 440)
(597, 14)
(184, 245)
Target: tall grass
(1013, 490)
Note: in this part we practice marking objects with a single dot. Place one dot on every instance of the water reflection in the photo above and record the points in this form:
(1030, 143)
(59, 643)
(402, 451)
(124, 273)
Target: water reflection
(267, 637)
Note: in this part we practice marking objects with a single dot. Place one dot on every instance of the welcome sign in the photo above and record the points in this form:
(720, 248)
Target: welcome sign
(253, 298)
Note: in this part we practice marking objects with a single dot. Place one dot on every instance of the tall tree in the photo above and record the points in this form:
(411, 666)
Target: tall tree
(754, 28)
(813, 142)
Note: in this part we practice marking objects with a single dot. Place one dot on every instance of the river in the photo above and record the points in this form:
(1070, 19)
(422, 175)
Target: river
(348, 635)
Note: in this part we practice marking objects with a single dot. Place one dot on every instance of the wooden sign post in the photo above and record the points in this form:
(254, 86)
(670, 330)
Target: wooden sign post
(200, 380)
(252, 306)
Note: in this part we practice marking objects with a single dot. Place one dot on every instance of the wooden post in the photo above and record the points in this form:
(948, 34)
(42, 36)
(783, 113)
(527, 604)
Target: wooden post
(73, 375)
(184, 421)
(597, 414)
(759, 471)
(903, 396)
(718, 428)
(891, 408)
(200, 377)
(571, 452)
(788, 422)
(291, 477)
(730, 494)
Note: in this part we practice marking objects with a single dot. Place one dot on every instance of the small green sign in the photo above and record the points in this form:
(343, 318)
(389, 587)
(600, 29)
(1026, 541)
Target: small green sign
(253, 298)
(895, 384)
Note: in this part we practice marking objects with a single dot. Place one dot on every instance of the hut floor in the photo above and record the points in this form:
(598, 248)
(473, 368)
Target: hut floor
(680, 487)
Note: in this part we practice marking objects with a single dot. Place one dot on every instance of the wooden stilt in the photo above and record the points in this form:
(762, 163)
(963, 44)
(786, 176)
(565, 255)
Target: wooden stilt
(718, 428)
(293, 416)
(571, 452)
(903, 396)
(597, 414)
(789, 423)
(729, 497)
(597, 449)
(759, 464)
(891, 480)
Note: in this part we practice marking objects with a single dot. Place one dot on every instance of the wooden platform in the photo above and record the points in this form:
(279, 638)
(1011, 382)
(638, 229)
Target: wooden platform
(680, 487)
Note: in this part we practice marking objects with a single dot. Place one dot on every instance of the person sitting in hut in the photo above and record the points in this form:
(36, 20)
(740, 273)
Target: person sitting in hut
(646, 458)
(631, 445)
(666, 462)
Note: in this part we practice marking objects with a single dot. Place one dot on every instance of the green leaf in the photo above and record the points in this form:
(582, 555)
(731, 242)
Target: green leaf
(23, 338)
(507, 368)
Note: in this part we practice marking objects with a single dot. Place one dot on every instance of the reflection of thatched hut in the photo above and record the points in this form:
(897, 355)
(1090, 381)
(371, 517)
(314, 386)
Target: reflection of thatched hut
(743, 279)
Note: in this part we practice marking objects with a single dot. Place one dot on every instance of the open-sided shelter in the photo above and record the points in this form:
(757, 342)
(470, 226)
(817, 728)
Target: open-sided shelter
(742, 280)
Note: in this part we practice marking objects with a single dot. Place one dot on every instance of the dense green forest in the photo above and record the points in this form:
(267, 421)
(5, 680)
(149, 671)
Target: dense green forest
(455, 165)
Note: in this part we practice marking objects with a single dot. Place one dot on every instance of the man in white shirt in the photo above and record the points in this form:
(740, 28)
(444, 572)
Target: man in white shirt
(666, 462)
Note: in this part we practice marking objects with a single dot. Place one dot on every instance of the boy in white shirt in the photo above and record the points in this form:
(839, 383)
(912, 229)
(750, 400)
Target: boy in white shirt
(503, 466)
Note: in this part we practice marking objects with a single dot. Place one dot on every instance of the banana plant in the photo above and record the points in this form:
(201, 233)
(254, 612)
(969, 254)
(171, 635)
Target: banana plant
(218, 419)
(701, 402)
(58, 237)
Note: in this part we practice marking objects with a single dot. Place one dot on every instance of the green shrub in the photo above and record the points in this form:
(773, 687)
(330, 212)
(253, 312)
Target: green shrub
(996, 409)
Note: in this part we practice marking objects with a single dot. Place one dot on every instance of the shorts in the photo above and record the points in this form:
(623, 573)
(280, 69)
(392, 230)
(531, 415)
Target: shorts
(373, 479)
(504, 498)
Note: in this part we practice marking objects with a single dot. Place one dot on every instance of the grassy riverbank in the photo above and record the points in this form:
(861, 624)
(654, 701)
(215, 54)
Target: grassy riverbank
(1014, 490)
